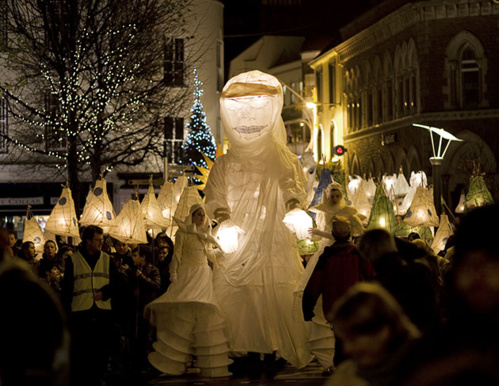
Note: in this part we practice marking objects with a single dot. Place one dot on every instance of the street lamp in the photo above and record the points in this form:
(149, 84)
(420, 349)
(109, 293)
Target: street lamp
(436, 160)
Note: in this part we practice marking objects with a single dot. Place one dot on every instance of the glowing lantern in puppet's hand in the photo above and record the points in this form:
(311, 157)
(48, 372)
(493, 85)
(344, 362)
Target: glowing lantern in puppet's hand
(62, 220)
(228, 236)
(299, 222)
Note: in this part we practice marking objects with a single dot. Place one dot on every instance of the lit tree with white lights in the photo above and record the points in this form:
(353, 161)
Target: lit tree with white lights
(200, 140)
(88, 83)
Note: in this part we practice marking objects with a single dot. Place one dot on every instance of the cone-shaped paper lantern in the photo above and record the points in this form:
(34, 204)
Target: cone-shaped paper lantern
(443, 233)
(417, 180)
(401, 185)
(153, 218)
(461, 204)
(166, 200)
(62, 220)
(190, 196)
(98, 209)
(130, 228)
(353, 185)
(361, 201)
(370, 189)
(389, 182)
(33, 232)
(422, 211)
(179, 187)
(478, 194)
(382, 215)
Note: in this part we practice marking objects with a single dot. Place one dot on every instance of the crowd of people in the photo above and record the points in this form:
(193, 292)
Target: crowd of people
(399, 313)
(373, 308)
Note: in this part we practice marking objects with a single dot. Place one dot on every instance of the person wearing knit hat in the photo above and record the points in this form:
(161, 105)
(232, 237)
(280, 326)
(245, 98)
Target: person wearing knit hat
(337, 269)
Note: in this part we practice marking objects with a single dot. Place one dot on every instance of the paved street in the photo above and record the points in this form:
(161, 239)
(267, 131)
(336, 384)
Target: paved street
(290, 376)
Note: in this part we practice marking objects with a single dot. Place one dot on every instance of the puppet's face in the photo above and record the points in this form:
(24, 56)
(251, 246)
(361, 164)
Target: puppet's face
(250, 116)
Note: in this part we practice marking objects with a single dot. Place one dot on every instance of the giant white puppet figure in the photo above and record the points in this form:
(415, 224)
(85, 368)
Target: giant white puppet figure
(251, 189)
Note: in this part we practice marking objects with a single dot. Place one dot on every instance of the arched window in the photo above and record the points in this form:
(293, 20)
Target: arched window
(470, 78)
(466, 68)
(388, 88)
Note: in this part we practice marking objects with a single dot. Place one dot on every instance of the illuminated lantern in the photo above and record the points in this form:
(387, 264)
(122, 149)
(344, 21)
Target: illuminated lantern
(417, 180)
(179, 187)
(62, 220)
(401, 186)
(389, 182)
(166, 200)
(130, 228)
(153, 218)
(443, 233)
(370, 189)
(98, 209)
(299, 222)
(460, 205)
(353, 185)
(189, 197)
(382, 215)
(478, 194)
(422, 211)
(33, 232)
(361, 200)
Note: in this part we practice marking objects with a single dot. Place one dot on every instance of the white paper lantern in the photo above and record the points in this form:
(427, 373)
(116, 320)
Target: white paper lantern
(98, 209)
(299, 222)
(33, 232)
(130, 225)
(443, 233)
(422, 211)
(62, 220)
(461, 205)
(167, 201)
(153, 218)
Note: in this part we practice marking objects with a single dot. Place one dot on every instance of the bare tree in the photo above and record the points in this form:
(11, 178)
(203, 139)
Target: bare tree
(88, 83)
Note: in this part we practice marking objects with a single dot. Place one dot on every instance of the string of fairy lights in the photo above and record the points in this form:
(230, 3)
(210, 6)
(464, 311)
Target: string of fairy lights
(83, 106)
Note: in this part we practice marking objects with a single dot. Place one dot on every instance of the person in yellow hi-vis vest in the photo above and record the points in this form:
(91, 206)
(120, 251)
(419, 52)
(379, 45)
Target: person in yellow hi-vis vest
(89, 282)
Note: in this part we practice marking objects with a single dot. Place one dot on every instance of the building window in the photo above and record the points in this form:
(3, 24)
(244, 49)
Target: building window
(466, 68)
(318, 84)
(4, 125)
(332, 83)
(470, 79)
(173, 139)
(173, 71)
(55, 138)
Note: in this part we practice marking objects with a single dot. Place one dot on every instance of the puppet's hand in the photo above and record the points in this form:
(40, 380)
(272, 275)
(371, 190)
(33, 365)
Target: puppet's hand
(228, 235)
(299, 222)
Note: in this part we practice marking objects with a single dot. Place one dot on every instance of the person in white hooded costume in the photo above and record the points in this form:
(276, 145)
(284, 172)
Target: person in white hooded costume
(251, 189)
(187, 317)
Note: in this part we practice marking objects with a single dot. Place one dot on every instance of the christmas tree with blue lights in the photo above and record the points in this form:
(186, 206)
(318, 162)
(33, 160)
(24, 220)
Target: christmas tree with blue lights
(200, 140)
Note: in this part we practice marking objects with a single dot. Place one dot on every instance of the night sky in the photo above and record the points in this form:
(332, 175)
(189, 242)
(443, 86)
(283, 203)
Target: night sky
(248, 20)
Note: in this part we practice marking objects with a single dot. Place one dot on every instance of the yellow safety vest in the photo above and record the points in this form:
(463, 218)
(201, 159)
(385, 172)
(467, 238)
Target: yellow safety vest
(88, 282)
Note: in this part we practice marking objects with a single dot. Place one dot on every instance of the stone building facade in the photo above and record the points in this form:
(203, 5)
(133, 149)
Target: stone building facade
(427, 62)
